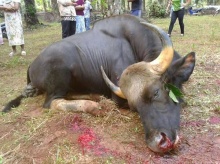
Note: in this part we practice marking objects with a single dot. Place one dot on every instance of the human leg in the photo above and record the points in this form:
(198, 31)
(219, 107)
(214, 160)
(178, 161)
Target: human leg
(80, 24)
(65, 28)
(136, 13)
(87, 23)
(22, 50)
(180, 18)
(14, 51)
(77, 24)
(72, 27)
(22, 47)
(172, 21)
(1, 37)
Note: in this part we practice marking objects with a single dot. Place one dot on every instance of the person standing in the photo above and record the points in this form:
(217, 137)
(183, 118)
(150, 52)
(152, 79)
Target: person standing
(178, 12)
(13, 23)
(87, 10)
(1, 37)
(136, 6)
(80, 22)
(68, 17)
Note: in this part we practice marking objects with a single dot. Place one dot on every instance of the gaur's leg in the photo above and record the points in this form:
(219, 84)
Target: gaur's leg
(57, 84)
(86, 106)
(30, 91)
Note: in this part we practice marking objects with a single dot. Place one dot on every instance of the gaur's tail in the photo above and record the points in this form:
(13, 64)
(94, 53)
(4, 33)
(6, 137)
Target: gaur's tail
(17, 101)
(13, 103)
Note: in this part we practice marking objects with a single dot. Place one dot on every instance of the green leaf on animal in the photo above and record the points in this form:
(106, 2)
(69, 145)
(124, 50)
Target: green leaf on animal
(173, 97)
(176, 91)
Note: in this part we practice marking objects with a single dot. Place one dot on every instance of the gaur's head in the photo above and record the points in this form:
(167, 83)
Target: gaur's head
(143, 84)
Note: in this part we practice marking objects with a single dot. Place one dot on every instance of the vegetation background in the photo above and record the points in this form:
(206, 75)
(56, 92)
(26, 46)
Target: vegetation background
(31, 134)
(32, 9)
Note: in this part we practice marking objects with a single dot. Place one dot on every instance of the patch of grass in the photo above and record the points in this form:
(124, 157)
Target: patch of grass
(16, 61)
(110, 160)
(63, 154)
(1, 159)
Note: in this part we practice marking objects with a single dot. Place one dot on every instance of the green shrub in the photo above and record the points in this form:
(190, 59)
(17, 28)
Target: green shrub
(156, 10)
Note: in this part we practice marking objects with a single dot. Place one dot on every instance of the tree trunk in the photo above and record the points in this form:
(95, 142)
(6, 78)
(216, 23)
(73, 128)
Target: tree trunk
(30, 13)
(55, 9)
(44, 6)
(143, 6)
(114, 7)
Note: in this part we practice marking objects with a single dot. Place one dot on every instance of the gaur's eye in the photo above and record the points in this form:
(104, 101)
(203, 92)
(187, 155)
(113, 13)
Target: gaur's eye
(156, 93)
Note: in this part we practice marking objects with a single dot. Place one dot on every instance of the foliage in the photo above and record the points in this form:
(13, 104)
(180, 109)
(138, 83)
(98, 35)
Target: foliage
(30, 13)
(213, 2)
(156, 9)
(39, 5)
(1, 14)
(101, 5)
(174, 92)
(30, 9)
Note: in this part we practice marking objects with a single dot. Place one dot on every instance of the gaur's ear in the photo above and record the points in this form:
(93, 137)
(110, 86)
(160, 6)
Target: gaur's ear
(180, 71)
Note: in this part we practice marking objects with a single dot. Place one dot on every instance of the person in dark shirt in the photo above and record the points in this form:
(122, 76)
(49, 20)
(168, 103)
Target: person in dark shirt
(136, 6)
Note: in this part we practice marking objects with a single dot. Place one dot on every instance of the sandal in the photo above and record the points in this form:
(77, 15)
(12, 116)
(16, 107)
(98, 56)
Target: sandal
(11, 54)
(23, 53)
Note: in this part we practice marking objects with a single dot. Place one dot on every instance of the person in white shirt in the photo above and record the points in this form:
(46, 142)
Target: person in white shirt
(87, 10)
(68, 17)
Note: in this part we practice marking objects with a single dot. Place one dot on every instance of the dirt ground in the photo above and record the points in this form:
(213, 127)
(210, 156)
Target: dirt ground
(115, 138)
(31, 134)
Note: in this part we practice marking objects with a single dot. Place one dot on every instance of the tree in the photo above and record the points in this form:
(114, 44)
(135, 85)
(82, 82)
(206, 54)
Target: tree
(114, 7)
(108, 7)
(55, 10)
(30, 16)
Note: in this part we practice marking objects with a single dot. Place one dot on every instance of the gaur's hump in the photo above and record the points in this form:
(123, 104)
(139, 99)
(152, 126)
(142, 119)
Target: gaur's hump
(115, 25)
(116, 20)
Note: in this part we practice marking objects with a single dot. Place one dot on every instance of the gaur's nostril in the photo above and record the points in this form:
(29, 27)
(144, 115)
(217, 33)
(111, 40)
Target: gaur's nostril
(163, 139)
(165, 144)
(163, 134)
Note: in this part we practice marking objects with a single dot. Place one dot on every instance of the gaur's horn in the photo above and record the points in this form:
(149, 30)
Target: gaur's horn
(112, 86)
(162, 62)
